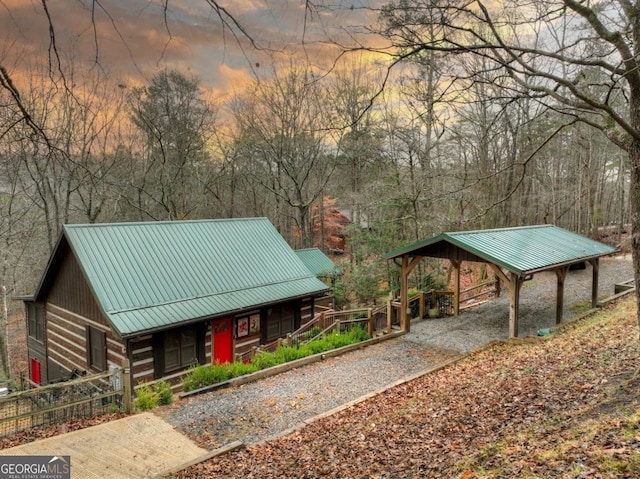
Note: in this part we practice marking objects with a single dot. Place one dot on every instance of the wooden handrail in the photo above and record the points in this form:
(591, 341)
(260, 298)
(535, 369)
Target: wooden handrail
(334, 317)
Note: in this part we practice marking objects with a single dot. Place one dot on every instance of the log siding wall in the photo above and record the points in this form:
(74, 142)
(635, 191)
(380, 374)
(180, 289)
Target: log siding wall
(67, 343)
(142, 359)
(208, 347)
(244, 345)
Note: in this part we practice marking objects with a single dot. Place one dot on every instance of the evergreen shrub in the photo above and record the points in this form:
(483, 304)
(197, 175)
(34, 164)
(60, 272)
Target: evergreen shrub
(148, 396)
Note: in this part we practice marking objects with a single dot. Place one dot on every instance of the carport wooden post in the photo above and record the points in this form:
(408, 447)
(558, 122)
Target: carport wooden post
(595, 264)
(513, 282)
(456, 287)
(561, 274)
(514, 307)
(407, 266)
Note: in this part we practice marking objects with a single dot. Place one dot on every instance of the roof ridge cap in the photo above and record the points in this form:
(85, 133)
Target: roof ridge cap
(506, 228)
(162, 222)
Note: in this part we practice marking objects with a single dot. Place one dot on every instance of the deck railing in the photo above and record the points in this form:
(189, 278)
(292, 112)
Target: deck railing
(322, 323)
(442, 301)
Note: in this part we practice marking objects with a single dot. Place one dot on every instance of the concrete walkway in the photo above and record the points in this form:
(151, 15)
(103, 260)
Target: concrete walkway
(138, 446)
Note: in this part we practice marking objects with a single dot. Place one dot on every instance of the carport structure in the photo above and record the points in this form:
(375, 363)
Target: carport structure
(514, 255)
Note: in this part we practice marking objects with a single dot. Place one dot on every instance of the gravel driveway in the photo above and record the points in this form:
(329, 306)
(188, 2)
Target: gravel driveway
(257, 411)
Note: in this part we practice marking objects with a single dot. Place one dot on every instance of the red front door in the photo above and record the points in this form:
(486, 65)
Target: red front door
(35, 371)
(222, 341)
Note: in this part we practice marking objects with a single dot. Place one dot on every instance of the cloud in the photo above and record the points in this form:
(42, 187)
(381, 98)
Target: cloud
(132, 39)
(231, 80)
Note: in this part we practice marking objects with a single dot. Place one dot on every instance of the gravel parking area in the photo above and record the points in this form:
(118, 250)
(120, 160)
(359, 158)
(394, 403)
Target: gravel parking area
(257, 411)
(489, 321)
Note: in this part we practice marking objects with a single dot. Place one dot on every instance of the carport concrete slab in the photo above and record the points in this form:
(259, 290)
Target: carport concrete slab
(138, 446)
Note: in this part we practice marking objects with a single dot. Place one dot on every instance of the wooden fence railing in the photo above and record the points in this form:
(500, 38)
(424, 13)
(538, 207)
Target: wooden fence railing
(440, 302)
(486, 289)
(56, 403)
(423, 304)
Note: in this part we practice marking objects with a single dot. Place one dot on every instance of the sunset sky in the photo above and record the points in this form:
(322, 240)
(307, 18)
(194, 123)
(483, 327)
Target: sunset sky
(133, 41)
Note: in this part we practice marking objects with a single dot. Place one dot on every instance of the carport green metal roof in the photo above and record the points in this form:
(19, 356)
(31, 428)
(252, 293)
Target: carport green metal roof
(154, 275)
(521, 250)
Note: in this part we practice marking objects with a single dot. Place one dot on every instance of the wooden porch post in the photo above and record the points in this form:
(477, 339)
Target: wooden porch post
(595, 264)
(456, 287)
(561, 274)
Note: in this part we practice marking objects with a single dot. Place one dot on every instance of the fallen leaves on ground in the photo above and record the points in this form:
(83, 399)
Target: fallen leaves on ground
(563, 406)
(44, 432)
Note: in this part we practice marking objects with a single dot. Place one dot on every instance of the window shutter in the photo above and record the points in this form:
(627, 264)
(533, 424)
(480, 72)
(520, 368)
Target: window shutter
(158, 355)
(87, 334)
(201, 337)
(103, 338)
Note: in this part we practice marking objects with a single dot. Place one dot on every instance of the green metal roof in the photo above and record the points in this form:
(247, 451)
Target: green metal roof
(317, 262)
(153, 275)
(522, 250)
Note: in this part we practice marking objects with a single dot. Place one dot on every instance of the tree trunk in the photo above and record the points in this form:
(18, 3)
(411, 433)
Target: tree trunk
(634, 206)
(4, 321)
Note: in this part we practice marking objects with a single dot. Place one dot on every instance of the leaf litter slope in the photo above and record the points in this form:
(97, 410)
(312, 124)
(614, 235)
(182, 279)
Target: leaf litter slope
(563, 406)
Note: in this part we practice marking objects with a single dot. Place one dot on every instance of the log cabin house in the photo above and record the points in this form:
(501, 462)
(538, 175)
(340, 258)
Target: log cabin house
(161, 297)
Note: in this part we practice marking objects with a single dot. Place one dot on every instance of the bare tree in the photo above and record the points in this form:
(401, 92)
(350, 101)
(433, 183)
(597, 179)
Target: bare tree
(284, 127)
(359, 140)
(174, 120)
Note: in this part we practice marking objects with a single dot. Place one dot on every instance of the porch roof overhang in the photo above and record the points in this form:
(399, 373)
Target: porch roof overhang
(513, 253)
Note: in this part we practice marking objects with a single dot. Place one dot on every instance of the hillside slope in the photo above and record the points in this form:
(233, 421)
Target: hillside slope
(563, 406)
